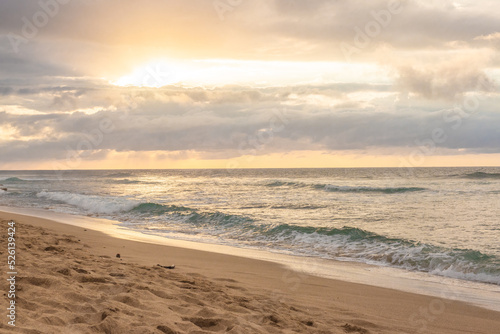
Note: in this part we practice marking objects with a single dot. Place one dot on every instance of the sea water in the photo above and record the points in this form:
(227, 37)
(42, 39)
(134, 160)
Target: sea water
(439, 221)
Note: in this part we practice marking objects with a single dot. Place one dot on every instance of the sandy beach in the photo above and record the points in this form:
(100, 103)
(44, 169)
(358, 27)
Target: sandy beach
(70, 280)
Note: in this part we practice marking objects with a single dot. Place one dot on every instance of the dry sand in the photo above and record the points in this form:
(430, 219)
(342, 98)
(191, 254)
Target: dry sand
(70, 281)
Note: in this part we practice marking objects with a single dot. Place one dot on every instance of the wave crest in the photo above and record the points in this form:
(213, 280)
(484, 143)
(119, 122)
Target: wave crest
(14, 180)
(91, 203)
(125, 181)
(388, 190)
(354, 244)
(158, 209)
(482, 175)
(347, 189)
(346, 243)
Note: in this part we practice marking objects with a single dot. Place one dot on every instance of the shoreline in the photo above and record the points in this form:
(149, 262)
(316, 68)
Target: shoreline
(371, 308)
(422, 283)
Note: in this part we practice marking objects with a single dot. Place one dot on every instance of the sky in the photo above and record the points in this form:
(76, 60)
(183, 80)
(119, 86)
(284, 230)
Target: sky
(97, 84)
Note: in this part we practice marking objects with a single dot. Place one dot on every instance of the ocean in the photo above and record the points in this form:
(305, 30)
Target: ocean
(440, 221)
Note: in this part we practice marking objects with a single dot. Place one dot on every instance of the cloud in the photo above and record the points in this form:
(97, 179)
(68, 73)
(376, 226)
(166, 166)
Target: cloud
(446, 80)
(415, 25)
(490, 37)
(227, 127)
(438, 52)
(490, 41)
(277, 29)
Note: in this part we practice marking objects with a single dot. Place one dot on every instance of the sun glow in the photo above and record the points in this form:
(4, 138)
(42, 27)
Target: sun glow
(218, 72)
(155, 74)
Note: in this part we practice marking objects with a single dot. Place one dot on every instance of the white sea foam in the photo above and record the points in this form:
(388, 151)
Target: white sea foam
(91, 203)
(378, 250)
(468, 276)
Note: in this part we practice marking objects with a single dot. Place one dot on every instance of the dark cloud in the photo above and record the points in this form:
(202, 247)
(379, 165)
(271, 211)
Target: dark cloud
(251, 27)
(364, 25)
(228, 128)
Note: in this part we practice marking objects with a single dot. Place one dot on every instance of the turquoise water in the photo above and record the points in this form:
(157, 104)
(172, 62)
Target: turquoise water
(443, 221)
